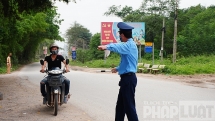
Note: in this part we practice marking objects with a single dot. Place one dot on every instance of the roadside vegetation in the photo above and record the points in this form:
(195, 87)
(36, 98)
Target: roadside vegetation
(195, 38)
(26, 28)
(184, 65)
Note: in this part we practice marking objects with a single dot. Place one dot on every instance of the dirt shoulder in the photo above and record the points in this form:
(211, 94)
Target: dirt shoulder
(22, 101)
(200, 80)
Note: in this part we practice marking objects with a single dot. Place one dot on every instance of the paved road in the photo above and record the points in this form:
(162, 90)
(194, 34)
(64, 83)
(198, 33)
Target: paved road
(96, 93)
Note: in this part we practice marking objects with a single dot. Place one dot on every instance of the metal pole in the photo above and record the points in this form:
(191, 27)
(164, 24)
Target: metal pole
(153, 54)
(162, 41)
(140, 53)
(104, 57)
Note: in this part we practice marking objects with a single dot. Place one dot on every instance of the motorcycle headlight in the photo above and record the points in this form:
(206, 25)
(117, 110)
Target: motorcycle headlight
(56, 71)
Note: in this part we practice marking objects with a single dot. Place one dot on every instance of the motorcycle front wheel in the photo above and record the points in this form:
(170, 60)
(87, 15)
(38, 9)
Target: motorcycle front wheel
(55, 104)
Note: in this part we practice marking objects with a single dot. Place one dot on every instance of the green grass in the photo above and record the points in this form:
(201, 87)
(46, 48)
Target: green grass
(184, 66)
(97, 63)
(3, 70)
(192, 65)
(187, 66)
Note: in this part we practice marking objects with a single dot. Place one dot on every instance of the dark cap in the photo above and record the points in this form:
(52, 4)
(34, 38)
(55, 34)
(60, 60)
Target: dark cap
(124, 27)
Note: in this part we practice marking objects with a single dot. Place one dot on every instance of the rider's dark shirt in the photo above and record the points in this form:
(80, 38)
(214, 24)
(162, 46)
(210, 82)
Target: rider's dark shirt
(54, 63)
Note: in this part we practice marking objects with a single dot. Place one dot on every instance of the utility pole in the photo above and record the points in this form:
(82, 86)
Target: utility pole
(175, 34)
(153, 52)
(162, 41)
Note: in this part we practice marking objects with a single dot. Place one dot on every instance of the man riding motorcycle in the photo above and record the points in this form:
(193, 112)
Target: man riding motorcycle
(54, 60)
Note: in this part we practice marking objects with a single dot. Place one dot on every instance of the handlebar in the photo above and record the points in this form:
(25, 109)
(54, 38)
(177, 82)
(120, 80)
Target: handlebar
(46, 71)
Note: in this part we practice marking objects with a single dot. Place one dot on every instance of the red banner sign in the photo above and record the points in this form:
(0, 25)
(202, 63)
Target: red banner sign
(106, 33)
(110, 34)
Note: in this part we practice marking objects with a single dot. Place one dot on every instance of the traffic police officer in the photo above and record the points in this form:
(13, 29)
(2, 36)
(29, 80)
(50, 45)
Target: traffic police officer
(126, 69)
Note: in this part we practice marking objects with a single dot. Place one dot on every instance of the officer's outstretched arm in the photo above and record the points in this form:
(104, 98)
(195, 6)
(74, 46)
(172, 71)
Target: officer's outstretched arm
(121, 48)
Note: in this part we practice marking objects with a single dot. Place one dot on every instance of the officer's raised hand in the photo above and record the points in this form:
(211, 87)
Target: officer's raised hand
(113, 70)
(102, 47)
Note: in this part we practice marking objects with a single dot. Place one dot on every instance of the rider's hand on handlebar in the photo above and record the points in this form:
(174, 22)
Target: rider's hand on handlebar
(42, 70)
(67, 70)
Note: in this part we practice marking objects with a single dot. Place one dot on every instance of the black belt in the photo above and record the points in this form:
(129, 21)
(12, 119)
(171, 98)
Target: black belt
(127, 74)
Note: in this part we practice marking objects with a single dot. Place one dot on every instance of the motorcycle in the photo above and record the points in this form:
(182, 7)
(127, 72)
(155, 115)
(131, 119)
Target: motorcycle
(56, 87)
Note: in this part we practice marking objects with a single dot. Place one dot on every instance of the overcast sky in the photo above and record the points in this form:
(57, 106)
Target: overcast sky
(90, 13)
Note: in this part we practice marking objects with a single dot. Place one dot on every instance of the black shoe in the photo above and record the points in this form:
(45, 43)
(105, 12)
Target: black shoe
(44, 100)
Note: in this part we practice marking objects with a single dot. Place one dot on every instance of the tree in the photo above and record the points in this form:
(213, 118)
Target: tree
(79, 36)
(198, 37)
(121, 13)
(152, 12)
(25, 24)
(94, 43)
(11, 7)
(158, 7)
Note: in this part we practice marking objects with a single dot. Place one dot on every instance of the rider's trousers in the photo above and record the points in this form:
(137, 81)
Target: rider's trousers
(45, 81)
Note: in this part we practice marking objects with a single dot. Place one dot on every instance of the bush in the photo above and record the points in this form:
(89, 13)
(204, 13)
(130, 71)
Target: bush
(82, 55)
